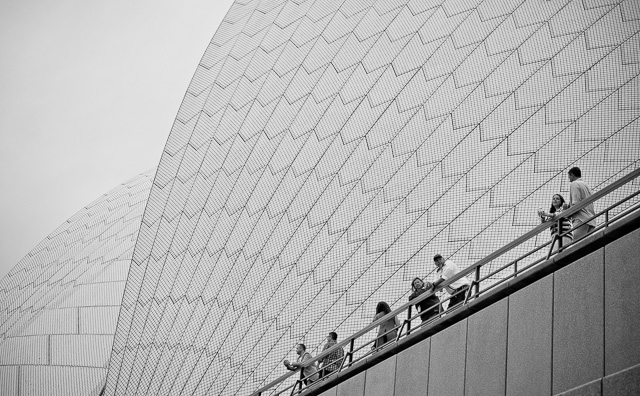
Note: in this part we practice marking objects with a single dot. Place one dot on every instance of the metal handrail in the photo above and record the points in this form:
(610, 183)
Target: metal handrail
(475, 284)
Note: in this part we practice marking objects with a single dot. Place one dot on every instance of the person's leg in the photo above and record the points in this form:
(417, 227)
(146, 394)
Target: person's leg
(431, 313)
(457, 299)
(555, 244)
(581, 229)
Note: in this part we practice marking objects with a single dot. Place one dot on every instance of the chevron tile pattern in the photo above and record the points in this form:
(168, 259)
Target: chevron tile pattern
(59, 305)
(327, 149)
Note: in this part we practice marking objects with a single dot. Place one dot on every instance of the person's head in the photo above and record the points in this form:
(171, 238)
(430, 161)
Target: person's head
(300, 349)
(383, 307)
(417, 283)
(332, 336)
(574, 173)
(556, 203)
(438, 260)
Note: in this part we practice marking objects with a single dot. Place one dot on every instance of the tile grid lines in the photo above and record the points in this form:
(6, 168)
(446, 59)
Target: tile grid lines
(227, 306)
(135, 309)
(396, 271)
(582, 154)
(201, 212)
(19, 269)
(102, 226)
(308, 244)
(62, 282)
(561, 131)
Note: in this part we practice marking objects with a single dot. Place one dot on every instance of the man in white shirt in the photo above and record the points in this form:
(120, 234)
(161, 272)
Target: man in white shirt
(447, 269)
(578, 192)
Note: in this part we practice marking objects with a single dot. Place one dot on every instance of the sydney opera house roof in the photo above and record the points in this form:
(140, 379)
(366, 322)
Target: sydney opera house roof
(324, 152)
(59, 305)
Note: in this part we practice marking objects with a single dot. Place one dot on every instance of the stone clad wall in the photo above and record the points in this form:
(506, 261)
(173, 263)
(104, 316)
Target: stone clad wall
(573, 332)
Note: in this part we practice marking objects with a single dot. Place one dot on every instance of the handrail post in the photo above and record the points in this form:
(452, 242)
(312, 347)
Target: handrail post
(515, 268)
(300, 381)
(409, 320)
(606, 218)
(553, 243)
(351, 344)
(559, 233)
(477, 286)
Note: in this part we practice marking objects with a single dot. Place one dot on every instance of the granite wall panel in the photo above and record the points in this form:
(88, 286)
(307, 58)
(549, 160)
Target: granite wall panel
(487, 351)
(412, 370)
(623, 383)
(529, 339)
(354, 386)
(622, 303)
(381, 378)
(578, 316)
(447, 361)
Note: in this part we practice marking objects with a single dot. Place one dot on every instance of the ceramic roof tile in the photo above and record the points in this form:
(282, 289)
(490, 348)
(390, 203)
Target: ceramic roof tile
(372, 23)
(440, 25)
(352, 52)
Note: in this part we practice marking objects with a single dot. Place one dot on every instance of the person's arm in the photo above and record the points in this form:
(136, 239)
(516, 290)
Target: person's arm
(288, 365)
(326, 346)
(446, 274)
(304, 358)
(547, 215)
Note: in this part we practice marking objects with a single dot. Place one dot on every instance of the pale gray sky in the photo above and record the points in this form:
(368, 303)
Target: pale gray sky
(88, 94)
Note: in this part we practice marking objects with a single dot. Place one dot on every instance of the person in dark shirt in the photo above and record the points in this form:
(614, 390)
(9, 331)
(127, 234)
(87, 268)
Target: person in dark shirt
(428, 307)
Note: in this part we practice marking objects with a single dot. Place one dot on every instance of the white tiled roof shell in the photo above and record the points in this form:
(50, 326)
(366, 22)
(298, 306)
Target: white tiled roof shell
(327, 149)
(59, 305)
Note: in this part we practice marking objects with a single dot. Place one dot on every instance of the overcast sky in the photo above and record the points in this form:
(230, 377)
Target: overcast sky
(88, 93)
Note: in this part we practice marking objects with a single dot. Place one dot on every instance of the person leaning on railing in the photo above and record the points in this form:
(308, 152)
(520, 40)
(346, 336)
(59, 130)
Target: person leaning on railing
(557, 206)
(332, 361)
(446, 270)
(310, 372)
(429, 307)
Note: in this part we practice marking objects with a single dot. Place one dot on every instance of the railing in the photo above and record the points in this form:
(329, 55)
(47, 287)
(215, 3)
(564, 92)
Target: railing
(496, 275)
